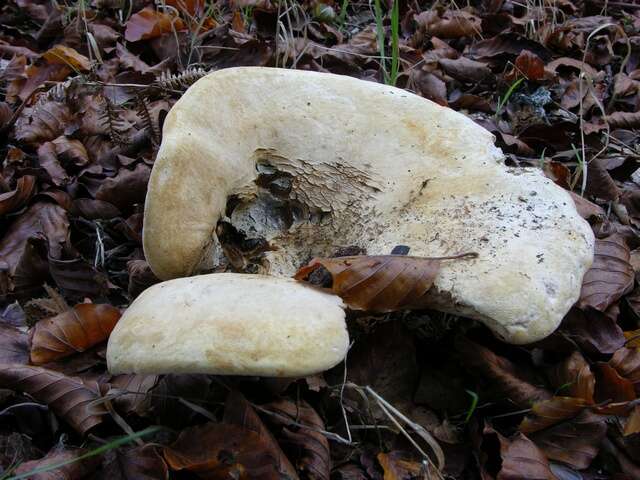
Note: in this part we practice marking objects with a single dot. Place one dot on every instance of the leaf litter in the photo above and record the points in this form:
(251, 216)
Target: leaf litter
(84, 89)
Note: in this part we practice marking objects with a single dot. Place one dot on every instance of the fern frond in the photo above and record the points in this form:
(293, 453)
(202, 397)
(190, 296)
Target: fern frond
(113, 124)
(147, 120)
(180, 81)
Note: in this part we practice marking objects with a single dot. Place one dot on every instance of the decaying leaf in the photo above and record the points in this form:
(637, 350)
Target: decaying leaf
(610, 276)
(397, 467)
(131, 392)
(530, 65)
(15, 199)
(377, 283)
(550, 412)
(63, 55)
(149, 23)
(592, 330)
(611, 387)
(573, 378)
(76, 330)
(626, 362)
(42, 123)
(67, 397)
(139, 463)
(75, 470)
(449, 24)
(14, 346)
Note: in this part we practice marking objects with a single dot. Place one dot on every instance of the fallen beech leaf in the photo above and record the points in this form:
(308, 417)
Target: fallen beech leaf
(140, 463)
(382, 283)
(67, 397)
(575, 442)
(397, 467)
(506, 44)
(16, 199)
(592, 330)
(132, 392)
(77, 277)
(76, 330)
(629, 120)
(165, 398)
(238, 411)
(48, 160)
(94, 209)
(518, 458)
(449, 24)
(610, 386)
(626, 362)
(633, 338)
(573, 378)
(600, 184)
(546, 413)
(126, 188)
(150, 23)
(63, 55)
(42, 123)
(192, 7)
(14, 345)
(530, 65)
(71, 150)
(306, 447)
(140, 277)
(504, 376)
(75, 470)
(464, 69)
(221, 451)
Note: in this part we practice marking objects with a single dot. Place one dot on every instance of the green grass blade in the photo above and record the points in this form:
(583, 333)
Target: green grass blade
(395, 43)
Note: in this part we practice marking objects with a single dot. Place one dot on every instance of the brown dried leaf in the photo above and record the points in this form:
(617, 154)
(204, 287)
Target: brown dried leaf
(629, 120)
(610, 276)
(238, 411)
(575, 442)
(633, 422)
(306, 447)
(594, 331)
(449, 24)
(505, 377)
(382, 283)
(149, 23)
(72, 471)
(14, 345)
(16, 199)
(530, 65)
(131, 391)
(71, 150)
(221, 451)
(610, 386)
(626, 362)
(77, 277)
(140, 463)
(464, 69)
(63, 55)
(42, 123)
(573, 378)
(550, 412)
(48, 160)
(67, 397)
(126, 188)
(141, 277)
(76, 330)
(397, 466)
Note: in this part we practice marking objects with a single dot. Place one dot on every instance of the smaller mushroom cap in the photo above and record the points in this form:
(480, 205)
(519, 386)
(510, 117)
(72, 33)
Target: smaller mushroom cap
(230, 324)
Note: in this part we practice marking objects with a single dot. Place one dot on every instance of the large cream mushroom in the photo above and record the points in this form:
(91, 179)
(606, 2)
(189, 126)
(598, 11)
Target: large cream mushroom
(266, 168)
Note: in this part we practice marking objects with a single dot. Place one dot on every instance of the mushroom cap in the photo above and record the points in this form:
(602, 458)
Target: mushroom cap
(230, 324)
(310, 162)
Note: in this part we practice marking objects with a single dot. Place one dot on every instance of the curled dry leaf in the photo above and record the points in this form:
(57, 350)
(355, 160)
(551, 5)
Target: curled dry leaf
(79, 468)
(611, 387)
(595, 332)
(377, 283)
(626, 362)
(76, 330)
(573, 378)
(220, 451)
(238, 411)
(63, 55)
(547, 413)
(504, 376)
(530, 65)
(300, 437)
(149, 23)
(575, 442)
(42, 123)
(14, 346)
(449, 24)
(518, 458)
(16, 199)
(67, 397)
(397, 466)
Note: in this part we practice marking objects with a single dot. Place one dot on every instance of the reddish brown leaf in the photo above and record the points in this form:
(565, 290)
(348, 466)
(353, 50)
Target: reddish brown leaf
(63, 55)
(126, 188)
(626, 362)
(48, 160)
(550, 412)
(610, 386)
(377, 283)
(464, 69)
(504, 376)
(592, 330)
(449, 24)
(397, 466)
(220, 451)
(67, 397)
(72, 471)
(150, 23)
(599, 182)
(16, 199)
(530, 65)
(42, 123)
(633, 422)
(573, 378)
(14, 345)
(629, 120)
(517, 458)
(575, 442)
(140, 463)
(71, 151)
(238, 411)
(306, 447)
(76, 330)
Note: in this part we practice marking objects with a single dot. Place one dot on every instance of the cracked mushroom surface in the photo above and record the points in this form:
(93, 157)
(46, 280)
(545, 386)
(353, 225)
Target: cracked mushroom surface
(262, 169)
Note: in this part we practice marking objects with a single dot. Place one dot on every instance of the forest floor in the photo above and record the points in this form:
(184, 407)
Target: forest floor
(85, 86)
